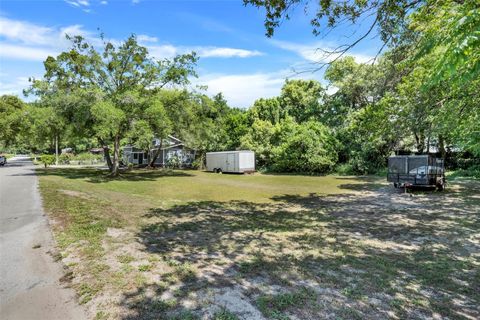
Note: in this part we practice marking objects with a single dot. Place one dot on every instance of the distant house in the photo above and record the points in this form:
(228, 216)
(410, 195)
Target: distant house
(173, 150)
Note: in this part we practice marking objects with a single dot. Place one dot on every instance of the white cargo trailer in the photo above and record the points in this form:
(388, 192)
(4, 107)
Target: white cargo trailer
(231, 161)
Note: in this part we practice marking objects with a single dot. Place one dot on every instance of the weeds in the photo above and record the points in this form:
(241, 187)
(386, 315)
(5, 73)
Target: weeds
(224, 314)
(275, 306)
(145, 267)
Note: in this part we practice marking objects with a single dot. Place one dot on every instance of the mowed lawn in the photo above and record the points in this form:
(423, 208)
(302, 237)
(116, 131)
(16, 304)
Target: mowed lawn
(169, 244)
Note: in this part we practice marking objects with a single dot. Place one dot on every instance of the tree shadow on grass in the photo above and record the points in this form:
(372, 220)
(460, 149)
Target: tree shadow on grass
(366, 183)
(363, 246)
(101, 176)
(144, 303)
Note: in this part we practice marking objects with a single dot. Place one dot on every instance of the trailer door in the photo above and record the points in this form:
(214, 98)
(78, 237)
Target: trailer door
(230, 162)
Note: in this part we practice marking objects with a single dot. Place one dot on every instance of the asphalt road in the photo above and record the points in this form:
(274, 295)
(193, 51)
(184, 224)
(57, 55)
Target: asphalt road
(29, 277)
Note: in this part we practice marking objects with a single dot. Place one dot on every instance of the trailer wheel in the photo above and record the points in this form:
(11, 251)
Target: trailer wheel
(219, 171)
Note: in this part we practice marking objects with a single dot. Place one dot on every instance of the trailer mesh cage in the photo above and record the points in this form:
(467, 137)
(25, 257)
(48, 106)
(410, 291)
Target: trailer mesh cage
(422, 170)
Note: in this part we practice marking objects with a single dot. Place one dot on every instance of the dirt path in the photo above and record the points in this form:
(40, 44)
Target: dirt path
(29, 276)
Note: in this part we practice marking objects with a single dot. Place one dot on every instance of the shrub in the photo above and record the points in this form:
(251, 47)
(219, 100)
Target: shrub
(198, 164)
(87, 157)
(308, 147)
(471, 172)
(47, 159)
(368, 160)
(344, 169)
(224, 314)
(260, 140)
(65, 158)
(174, 162)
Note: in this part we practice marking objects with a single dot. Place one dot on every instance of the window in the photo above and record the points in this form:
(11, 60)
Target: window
(135, 156)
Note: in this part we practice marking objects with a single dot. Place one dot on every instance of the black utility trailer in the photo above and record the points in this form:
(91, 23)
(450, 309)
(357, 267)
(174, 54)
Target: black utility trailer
(416, 171)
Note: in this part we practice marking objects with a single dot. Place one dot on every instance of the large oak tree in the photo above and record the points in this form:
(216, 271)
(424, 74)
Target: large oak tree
(115, 79)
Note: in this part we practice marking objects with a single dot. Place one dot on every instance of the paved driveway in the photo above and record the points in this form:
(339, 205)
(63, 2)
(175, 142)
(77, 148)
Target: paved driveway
(29, 277)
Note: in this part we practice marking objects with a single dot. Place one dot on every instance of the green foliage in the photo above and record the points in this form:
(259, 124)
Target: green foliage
(301, 99)
(274, 306)
(87, 157)
(260, 139)
(306, 147)
(344, 169)
(109, 118)
(390, 16)
(198, 164)
(224, 314)
(47, 159)
(65, 158)
(421, 93)
(470, 172)
(113, 87)
(174, 162)
(267, 110)
(141, 135)
(449, 30)
(12, 111)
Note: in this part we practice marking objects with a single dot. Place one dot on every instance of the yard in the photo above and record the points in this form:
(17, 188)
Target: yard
(194, 245)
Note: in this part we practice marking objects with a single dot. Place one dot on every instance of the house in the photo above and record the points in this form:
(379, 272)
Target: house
(173, 150)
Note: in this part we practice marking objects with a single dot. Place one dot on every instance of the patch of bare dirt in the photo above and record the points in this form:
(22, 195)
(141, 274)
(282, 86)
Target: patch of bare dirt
(74, 193)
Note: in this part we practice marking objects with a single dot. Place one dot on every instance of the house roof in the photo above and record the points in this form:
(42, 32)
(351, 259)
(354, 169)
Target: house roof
(172, 143)
(171, 140)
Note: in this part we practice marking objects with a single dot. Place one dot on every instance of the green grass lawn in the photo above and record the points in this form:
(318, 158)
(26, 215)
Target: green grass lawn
(186, 244)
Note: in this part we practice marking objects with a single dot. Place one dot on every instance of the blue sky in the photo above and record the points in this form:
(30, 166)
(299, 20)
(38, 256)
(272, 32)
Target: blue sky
(235, 56)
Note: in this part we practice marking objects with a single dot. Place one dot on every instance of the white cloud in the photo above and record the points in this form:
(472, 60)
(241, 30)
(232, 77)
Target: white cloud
(21, 40)
(216, 52)
(53, 40)
(25, 32)
(16, 31)
(21, 52)
(162, 51)
(241, 90)
(25, 41)
(14, 86)
(318, 51)
(169, 51)
(142, 38)
(104, 2)
(76, 30)
(78, 3)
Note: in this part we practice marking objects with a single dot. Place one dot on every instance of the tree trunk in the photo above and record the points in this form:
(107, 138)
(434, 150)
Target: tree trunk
(106, 154)
(419, 141)
(116, 156)
(428, 144)
(441, 146)
(156, 154)
(149, 157)
(202, 166)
